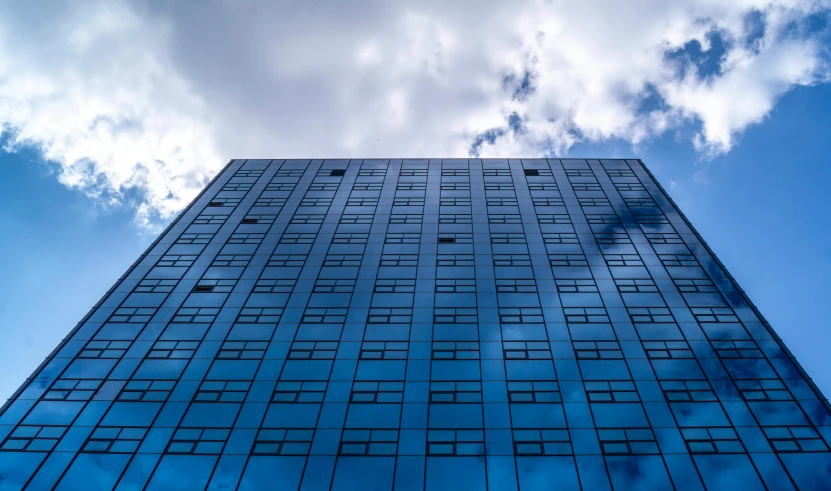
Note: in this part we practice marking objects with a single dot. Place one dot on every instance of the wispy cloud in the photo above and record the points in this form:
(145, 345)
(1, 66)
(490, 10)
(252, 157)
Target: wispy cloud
(149, 99)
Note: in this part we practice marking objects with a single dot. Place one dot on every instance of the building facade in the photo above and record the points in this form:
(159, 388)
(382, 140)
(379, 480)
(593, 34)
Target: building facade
(422, 325)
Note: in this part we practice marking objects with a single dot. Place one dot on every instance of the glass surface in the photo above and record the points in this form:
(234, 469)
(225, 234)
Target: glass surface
(445, 324)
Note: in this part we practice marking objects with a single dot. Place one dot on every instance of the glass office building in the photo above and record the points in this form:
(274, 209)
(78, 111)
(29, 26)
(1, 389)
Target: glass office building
(422, 325)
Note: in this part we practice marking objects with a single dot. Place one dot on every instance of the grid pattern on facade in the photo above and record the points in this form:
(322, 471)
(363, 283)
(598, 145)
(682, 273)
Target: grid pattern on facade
(422, 324)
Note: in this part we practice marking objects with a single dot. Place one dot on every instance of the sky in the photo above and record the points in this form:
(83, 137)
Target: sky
(114, 114)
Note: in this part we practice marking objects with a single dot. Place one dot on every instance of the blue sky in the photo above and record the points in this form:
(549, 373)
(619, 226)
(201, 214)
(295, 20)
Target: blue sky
(115, 119)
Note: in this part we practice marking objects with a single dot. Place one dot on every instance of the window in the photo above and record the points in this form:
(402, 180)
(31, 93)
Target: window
(237, 186)
(623, 259)
(210, 219)
(194, 238)
(287, 260)
(178, 261)
(560, 239)
(542, 186)
(454, 260)
(316, 202)
(245, 238)
(517, 238)
(667, 349)
(405, 172)
(297, 239)
(289, 173)
(567, 260)
(285, 285)
(411, 186)
(640, 202)
(226, 202)
(553, 219)
(222, 391)
(619, 391)
(627, 441)
(368, 442)
(406, 219)
(516, 286)
(367, 186)
(511, 260)
(362, 202)
(580, 315)
(541, 442)
(408, 201)
(454, 201)
(455, 172)
(399, 260)
(712, 440)
(156, 286)
(526, 315)
(342, 260)
(579, 172)
(132, 315)
(279, 185)
(595, 218)
(270, 202)
(248, 173)
(350, 239)
(372, 172)
(710, 315)
(214, 286)
(307, 219)
(543, 201)
(496, 172)
(455, 316)
(646, 285)
(455, 219)
(390, 316)
(576, 286)
(590, 202)
(455, 392)
(231, 260)
(104, 349)
(504, 219)
(629, 186)
(620, 173)
(500, 201)
(678, 260)
(392, 238)
(612, 238)
(333, 286)
(242, 350)
(394, 286)
(455, 286)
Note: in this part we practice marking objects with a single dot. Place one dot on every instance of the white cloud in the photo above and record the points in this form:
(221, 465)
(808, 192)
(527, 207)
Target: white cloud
(155, 97)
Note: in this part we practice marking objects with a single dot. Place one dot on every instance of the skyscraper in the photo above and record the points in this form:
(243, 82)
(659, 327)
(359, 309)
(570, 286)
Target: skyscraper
(422, 324)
